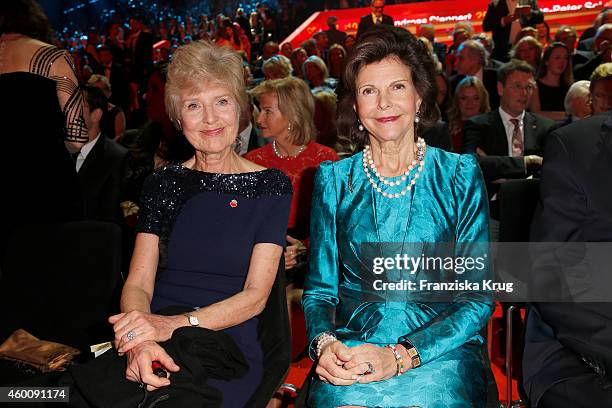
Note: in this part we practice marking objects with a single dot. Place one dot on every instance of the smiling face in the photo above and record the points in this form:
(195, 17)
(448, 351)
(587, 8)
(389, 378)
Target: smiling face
(469, 102)
(557, 63)
(271, 121)
(386, 100)
(209, 117)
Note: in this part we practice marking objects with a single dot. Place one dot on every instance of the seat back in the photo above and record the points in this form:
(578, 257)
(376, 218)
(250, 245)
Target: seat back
(274, 335)
(58, 280)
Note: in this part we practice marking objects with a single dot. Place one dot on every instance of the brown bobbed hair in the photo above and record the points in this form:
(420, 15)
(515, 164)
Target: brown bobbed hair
(24, 17)
(374, 46)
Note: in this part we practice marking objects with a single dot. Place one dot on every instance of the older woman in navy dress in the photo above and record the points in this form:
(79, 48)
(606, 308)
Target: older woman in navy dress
(211, 230)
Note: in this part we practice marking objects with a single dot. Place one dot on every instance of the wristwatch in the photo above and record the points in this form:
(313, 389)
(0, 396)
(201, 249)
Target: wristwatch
(193, 320)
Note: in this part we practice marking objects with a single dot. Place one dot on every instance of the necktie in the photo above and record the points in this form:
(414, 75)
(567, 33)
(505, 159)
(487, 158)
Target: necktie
(517, 139)
(75, 156)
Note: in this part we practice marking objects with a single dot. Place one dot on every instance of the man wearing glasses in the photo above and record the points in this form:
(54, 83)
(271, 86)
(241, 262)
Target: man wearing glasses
(508, 141)
(375, 18)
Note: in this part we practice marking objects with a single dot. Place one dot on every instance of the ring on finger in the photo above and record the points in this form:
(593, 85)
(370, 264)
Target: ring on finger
(371, 369)
(130, 335)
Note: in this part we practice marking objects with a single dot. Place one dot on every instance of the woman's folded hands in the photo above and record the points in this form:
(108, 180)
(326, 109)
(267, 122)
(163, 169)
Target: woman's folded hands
(341, 365)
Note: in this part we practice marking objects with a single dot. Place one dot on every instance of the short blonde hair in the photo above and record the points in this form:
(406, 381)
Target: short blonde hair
(319, 63)
(278, 64)
(96, 78)
(296, 104)
(194, 64)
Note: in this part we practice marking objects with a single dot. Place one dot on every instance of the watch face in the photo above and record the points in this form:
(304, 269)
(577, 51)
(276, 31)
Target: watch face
(194, 320)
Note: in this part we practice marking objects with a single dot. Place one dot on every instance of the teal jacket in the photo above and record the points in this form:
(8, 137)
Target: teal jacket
(350, 225)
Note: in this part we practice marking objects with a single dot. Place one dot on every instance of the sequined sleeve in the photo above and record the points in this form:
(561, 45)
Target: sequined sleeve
(57, 65)
(151, 205)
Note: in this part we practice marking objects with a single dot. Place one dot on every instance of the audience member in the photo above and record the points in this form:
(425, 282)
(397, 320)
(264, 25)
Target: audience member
(472, 61)
(428, 31)
(470, 99)
(602, 52)
(277, 67)
(527, 49)
(316, 74)
(335, 60)
(43, 117)
(505, 19)
(554, 78)
(376, 17)
(601, 88)
(568, 354)
(508, 141)
(334, 35)
(101, 165)
(113, 120)
(298, 57)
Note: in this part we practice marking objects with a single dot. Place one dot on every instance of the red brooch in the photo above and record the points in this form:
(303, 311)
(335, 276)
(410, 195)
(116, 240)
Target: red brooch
(233, 203)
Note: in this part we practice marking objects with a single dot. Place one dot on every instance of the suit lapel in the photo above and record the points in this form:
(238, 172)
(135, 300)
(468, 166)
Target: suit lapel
(530, 131)
(90, 165)
(499, 130)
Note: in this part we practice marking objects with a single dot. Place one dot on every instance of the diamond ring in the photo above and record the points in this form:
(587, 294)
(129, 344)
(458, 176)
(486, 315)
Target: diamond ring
(131, 335)
(371, 369)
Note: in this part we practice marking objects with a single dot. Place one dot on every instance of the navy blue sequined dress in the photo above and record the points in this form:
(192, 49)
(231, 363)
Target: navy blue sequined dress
(208, 224)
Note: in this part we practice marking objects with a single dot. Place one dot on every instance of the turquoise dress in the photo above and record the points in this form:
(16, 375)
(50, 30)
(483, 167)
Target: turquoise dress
(448, 204)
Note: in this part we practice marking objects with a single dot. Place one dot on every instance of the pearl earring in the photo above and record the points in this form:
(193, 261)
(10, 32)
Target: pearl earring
(360, 126)
(416, 118)
(289, 128)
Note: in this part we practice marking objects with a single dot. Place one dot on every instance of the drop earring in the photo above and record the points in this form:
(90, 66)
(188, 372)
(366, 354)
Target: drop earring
(360, 126)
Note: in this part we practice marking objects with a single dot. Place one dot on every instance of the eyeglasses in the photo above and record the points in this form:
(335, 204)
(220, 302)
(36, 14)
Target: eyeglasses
(520, 88)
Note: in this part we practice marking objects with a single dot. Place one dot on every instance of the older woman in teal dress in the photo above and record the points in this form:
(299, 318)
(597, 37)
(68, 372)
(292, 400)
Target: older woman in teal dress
(387, 348)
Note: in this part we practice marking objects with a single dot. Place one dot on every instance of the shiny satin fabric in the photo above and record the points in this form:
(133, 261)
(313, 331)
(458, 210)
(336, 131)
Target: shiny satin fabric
(447, 205)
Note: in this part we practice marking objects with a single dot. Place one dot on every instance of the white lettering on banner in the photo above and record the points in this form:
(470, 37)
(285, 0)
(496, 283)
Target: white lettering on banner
(556, 8)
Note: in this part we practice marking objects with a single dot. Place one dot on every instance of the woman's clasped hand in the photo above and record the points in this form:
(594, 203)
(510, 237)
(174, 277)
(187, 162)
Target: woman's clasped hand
(341, 365)
(135, 327)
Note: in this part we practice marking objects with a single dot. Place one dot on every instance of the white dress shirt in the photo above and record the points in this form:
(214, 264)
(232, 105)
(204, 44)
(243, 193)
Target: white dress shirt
(85, 151)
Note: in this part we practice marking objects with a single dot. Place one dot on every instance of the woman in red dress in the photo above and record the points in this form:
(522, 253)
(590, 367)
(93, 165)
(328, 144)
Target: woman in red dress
(286, 116)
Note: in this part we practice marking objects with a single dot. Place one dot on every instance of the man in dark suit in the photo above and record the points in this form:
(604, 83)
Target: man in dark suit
(568, 346)
(101, 165)
(376, 17)
(505, 18)
(508, 141)
(471, 60)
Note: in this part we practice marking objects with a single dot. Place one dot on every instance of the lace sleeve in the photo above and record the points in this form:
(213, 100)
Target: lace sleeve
(57, 65)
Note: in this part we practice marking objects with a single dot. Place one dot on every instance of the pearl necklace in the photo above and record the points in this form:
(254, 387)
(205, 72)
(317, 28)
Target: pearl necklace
(280, 156)
(368, 162)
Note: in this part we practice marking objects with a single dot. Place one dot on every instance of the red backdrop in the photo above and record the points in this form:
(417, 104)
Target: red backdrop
(444, 15)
